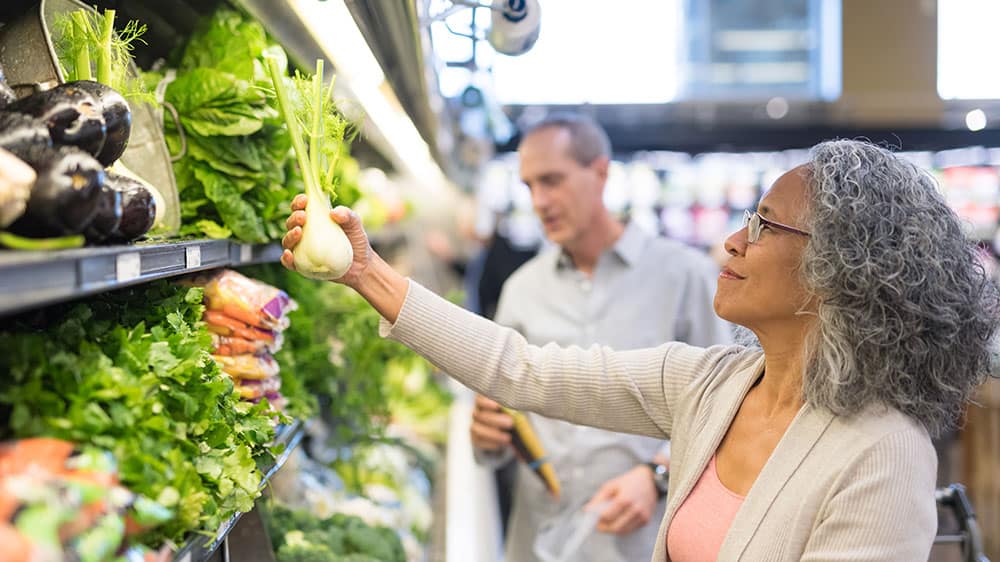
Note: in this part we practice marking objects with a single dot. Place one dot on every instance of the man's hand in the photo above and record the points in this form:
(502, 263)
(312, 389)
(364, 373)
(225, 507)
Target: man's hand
(631, 500)
(490, 427)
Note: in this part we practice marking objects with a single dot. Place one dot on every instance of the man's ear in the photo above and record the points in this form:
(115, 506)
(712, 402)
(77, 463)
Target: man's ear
(600, 165)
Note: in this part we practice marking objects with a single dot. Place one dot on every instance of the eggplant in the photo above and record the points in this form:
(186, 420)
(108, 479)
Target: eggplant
(71, 114)
(66, 193)
(138, 208)
(117, 119)
(108, 215)
(18, 132)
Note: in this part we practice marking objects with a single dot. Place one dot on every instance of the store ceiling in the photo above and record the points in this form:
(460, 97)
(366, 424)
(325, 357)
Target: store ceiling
(744, 127)
(886, 90)
(393, 35)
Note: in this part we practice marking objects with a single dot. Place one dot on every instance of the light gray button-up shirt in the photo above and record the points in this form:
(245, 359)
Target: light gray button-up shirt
(644, 291)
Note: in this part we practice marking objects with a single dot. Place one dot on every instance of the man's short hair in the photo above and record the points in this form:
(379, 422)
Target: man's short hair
(588, 140)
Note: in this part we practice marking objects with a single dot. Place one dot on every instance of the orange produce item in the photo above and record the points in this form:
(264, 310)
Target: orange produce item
(225, 325)
(248, 300)
(254, 367)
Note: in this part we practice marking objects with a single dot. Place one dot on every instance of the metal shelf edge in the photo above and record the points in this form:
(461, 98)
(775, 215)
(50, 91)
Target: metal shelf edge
(34, 279)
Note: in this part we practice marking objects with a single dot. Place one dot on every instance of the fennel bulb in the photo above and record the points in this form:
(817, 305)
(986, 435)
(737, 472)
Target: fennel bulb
(324, 252)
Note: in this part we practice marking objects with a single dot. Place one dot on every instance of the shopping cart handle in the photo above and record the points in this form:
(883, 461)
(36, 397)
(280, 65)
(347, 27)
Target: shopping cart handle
(954, 496)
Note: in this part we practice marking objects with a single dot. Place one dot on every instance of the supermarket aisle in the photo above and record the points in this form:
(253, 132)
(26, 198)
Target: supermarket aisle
(473, 520)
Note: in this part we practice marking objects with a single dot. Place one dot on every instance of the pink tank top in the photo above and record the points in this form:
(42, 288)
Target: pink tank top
(698, 528)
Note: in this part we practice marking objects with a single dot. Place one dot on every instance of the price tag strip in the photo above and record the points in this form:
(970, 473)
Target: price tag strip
(192, 257)
(128, 266)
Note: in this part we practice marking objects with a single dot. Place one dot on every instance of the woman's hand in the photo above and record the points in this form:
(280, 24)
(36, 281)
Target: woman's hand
(371, 277)
(348, 221)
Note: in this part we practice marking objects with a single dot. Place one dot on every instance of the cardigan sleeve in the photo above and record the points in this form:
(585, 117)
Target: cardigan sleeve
(896, 476)
(623, 391)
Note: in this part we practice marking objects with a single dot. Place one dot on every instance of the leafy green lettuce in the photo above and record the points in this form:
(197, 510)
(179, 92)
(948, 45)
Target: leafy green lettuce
(237, 176)
(131, 372)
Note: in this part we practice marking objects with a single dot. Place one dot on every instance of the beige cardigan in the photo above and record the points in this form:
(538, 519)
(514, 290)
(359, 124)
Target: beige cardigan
(857, 489)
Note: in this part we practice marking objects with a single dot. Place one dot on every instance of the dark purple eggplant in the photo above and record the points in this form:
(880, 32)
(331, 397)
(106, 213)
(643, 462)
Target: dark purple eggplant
(138, 208)
(18, 132)
(109, 213)
(117, 119)
(71, 114)
(66, 193)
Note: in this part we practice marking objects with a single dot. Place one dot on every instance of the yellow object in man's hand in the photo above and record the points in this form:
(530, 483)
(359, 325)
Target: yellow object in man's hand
(529, 447)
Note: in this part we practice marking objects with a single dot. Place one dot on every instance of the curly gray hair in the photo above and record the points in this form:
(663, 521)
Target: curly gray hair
(907, 313)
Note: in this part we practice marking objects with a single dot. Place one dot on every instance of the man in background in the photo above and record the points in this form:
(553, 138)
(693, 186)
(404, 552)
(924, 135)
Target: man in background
(605, 283)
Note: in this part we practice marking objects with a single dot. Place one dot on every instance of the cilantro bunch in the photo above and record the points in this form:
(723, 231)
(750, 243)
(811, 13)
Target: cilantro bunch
(131, 372)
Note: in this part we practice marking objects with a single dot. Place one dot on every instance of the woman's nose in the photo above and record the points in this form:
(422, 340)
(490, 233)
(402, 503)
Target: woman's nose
(736, 243)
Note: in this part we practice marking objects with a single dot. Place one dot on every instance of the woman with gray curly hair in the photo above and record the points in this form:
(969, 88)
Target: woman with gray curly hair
(875, 323)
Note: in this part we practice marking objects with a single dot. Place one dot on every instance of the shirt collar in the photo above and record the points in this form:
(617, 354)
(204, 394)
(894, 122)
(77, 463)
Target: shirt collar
(628, 248)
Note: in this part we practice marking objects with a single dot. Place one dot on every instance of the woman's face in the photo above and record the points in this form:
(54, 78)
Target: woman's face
(759, 286)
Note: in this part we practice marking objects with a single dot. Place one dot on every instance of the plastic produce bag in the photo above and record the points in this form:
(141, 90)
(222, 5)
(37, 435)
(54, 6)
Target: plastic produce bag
(225, 325)
(250, 301)
(254, 367)
(234, 345)
(573, 537)
(251, 389)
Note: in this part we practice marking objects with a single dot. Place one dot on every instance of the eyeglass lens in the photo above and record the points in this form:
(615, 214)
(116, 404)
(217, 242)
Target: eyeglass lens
(752, 222)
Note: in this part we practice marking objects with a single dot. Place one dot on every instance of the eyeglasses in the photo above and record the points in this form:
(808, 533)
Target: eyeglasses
(754, 223)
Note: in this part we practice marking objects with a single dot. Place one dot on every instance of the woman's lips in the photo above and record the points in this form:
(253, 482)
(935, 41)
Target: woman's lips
(727, 273)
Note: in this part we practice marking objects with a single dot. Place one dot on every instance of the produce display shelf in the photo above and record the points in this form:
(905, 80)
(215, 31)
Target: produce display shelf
(201, 547)
(33, 279)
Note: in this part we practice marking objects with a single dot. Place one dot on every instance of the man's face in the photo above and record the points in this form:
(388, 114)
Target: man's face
(566, 195)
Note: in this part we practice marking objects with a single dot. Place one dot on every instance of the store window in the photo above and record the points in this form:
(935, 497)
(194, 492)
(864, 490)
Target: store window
(749, 50)
(967, 43)
(656, 51)
(597, 52)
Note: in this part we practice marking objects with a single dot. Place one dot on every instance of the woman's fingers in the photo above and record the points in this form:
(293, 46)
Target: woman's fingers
(350, 222)
(288, 260)
(291, 238)
(299, 202)
(297, 218)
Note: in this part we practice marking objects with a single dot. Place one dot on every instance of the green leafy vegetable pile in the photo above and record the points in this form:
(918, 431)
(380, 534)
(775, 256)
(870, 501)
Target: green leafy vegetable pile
(235, 177)
(131, 372)
(333, 346)
(299, 536)
(238, 175)
(416, 399)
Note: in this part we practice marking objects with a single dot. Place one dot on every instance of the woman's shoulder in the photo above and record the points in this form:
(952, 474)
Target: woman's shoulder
(714, 361)
(712, 369)
(881, 428)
